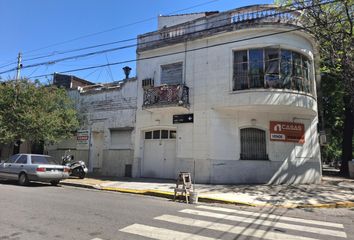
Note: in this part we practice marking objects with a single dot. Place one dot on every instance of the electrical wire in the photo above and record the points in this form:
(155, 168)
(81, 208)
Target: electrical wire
(119, 27)
(184, 51)
(134, 45)
(97, 33)
(159, 40)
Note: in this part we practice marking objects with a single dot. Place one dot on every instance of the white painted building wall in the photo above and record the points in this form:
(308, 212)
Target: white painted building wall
(213, 140)
(102, 111)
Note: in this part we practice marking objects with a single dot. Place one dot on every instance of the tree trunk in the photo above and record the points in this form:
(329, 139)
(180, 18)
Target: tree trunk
(347, 145)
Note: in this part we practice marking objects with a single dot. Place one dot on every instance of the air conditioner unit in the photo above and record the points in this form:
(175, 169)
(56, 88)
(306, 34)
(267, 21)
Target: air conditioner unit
(147, 83)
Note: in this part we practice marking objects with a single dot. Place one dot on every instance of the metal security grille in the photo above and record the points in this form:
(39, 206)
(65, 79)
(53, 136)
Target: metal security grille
(253, 144)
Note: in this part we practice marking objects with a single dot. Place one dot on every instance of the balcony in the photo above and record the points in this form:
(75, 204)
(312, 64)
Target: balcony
(233, 20)
(166, 96)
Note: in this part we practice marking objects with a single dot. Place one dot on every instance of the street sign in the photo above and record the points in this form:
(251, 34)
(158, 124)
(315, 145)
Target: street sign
(183, 118)
(82, 139)
(287, 132)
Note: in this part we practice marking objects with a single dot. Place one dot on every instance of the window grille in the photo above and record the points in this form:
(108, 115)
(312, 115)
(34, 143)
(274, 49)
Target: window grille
(253, 144)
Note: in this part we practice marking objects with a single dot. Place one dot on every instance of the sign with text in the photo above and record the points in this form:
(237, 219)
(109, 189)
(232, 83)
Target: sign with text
(287, 132)
(83, 139)
(183, 118)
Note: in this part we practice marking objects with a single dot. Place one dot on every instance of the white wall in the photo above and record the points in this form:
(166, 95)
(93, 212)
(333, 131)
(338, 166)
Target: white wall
(101, 111)
(212, 141)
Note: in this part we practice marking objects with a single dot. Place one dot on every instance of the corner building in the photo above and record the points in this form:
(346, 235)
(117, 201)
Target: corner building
(230, 96)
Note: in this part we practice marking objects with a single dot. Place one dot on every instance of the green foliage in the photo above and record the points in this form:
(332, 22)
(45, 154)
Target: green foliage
(332, 25)
(34, 112)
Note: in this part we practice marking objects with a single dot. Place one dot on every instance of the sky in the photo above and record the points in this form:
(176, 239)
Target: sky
(38, 28)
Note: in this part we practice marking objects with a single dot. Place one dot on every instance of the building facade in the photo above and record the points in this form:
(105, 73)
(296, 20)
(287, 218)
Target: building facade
(229, 96)
(106, 136)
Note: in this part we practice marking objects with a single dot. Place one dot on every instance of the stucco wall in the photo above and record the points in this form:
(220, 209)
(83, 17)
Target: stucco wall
(213, 140)
(102, 110)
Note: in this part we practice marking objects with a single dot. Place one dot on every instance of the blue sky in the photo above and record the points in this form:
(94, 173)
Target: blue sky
(30, 26)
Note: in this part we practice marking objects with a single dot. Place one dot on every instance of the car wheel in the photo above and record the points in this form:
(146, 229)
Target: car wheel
(23, 179)
(54, 182)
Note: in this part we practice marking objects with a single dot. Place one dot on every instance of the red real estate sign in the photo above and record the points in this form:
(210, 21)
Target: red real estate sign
(287, 132)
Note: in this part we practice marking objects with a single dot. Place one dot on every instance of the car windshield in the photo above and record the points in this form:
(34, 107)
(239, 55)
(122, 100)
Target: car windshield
(43, 160)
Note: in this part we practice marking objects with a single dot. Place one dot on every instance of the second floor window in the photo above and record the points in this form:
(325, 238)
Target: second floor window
(271, 68)
(172, 74)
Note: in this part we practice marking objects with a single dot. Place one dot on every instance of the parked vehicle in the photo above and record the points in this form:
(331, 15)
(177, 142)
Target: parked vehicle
(77, 169)
(33, 167)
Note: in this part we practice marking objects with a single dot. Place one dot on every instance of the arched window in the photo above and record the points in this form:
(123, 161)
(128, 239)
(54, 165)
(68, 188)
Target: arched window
(253, 144)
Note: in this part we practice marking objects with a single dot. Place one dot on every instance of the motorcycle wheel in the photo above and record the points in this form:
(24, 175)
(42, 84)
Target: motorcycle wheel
(81, 173)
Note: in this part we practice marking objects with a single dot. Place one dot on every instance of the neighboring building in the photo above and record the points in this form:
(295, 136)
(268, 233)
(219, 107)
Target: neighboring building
(69, 81)
(105, 140)
(231, 93)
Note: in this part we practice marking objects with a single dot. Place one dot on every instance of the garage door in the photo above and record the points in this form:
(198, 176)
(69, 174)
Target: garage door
(159, 154)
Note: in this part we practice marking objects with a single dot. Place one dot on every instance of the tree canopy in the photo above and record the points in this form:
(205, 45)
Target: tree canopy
(331, 23)
(34, 112)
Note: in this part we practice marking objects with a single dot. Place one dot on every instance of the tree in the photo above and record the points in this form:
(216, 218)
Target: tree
(331, 23)
(34, 112)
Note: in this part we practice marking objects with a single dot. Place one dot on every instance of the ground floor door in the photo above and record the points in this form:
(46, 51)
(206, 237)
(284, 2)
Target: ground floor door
(159, 158)
(96, 150)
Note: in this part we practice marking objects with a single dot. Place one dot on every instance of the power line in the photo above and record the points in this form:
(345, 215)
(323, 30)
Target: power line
(161, 40)
(118, 27)
(97, 33)
(133, 45)
(184, 51)
(115, 42)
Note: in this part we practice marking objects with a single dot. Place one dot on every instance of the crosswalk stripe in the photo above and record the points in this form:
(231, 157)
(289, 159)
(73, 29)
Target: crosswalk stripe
(161, 233)
(335, 233)
(246, 231)
(272, 216)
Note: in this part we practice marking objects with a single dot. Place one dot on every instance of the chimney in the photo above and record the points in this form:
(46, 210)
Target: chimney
(127, 70)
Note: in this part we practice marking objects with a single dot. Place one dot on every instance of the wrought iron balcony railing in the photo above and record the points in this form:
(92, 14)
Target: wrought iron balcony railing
(166, 96)
(231, 20)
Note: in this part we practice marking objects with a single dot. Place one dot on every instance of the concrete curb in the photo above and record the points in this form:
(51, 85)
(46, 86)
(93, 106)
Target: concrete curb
(170, 195)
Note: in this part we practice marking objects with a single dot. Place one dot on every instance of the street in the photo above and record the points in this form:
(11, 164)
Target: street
(41, 211)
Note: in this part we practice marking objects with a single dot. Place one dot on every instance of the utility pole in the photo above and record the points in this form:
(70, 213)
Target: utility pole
(19, 66)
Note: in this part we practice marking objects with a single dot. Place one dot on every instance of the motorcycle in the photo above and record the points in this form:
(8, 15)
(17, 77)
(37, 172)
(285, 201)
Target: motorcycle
(77, 168)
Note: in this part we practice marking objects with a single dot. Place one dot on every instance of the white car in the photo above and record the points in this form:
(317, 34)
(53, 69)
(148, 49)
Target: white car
(33, 167)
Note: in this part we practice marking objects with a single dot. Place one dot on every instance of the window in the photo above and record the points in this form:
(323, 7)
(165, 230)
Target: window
(241, 70)
(256, 77)
(121, 138)
(160, 134)
(173, 134)
(164, 134)
(156, 134)
(253, 144)
(272, 68)
(42, 160)
(22, 159)
(172, 74)
(148, 135)
(13, 158)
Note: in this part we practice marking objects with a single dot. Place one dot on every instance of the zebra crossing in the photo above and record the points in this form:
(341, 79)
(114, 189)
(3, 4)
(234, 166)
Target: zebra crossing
(211, 223)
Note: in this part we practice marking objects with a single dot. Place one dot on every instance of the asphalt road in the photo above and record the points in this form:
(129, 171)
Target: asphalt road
(41, 211)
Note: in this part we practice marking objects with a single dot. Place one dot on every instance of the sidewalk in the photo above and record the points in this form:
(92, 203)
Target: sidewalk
(332, 192)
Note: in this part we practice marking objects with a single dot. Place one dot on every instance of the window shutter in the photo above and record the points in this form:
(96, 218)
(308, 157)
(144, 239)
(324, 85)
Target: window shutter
(171, 74)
